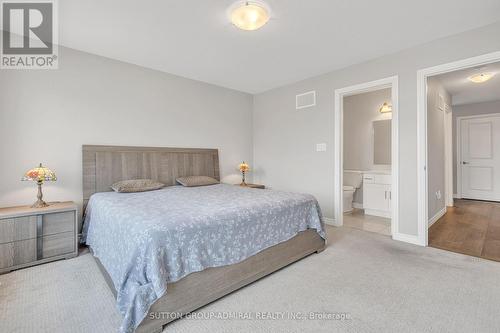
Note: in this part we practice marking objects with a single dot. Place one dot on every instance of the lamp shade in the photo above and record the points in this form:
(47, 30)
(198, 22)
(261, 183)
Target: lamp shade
(243, 167)
(40, 174)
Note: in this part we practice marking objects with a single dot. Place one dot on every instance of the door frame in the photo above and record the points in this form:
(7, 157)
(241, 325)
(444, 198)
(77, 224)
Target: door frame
(448, 161)
(459, 145)
(422, 173)
(389, 82)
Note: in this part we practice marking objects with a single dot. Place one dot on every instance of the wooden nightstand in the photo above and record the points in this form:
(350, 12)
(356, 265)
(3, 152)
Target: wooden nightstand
(32, 236)
(254, 186)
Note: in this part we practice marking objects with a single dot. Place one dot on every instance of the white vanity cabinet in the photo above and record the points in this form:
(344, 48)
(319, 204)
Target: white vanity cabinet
(377, 194)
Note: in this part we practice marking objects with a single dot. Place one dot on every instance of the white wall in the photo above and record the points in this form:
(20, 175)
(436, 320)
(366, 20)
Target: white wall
(468, 110)
(360, 111)
(285, 138)
(435, 146)
(46, 116)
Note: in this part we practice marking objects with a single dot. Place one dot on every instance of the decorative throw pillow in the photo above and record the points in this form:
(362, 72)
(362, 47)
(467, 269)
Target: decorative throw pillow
(136, 185)
(190, 181)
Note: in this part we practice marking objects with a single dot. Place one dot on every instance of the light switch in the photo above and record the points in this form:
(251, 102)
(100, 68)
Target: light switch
(321, 147)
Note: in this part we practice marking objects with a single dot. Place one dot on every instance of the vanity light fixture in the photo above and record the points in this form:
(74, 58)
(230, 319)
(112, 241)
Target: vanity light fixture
(249, 15)
(481, 77)
(385, 108)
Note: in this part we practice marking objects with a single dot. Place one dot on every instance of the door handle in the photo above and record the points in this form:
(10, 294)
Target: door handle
(385, 195)
(463, 162)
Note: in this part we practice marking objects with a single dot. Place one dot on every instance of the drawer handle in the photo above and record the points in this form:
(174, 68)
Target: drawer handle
(39, 240)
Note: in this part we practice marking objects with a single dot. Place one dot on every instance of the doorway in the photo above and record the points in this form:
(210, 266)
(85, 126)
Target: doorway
(383, 184)
(462, 95)
(478, 161)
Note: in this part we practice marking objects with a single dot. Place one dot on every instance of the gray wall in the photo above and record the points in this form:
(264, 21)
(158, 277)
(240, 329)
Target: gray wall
(468, 110)
(359, 113)
(435, 146)
(46, 116)
(285, 138)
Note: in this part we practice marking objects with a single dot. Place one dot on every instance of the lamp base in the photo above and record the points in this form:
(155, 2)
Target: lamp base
(39, 204)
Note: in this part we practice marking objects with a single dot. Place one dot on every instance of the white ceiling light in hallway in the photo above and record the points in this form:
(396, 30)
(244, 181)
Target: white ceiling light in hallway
(473, 85)
(249, 15)
(480, 78)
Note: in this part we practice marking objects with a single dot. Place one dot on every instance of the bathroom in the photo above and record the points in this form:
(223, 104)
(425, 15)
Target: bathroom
(367, 148)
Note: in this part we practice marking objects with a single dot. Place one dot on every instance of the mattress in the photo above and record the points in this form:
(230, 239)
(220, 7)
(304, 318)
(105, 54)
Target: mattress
(147, 240)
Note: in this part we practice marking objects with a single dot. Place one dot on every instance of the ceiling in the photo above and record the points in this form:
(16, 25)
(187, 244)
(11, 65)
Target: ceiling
(194, 39)
(465, 92)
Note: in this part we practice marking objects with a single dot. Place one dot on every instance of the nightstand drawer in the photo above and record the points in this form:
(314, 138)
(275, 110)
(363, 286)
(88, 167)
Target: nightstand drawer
(57, 223)
(26, 251)
(22, 228)
(17, 253)
(55, 245)
(17, 228)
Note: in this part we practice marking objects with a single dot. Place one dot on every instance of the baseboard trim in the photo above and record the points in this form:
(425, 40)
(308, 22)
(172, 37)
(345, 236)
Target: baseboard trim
(456, 196)
(379, 213)
(412, 239)
(436, 217)
(357, 205)
(330, 221)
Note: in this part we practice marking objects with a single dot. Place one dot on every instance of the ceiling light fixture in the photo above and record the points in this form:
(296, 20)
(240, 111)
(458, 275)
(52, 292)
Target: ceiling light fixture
(385, 108)
(481, 77)
(249, 15)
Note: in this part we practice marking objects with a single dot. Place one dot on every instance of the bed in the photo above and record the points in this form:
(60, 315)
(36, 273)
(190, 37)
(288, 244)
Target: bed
(167, 252)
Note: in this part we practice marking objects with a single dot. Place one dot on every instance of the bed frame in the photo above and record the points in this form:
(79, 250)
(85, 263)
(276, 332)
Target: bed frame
(104, 165)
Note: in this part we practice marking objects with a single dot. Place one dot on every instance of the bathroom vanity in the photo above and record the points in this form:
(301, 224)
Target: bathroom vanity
(377, 193)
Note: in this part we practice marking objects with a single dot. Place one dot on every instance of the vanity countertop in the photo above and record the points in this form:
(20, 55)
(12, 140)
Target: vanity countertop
(378, 172)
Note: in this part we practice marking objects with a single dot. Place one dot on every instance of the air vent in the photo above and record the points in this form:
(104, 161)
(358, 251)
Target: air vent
(305, 100)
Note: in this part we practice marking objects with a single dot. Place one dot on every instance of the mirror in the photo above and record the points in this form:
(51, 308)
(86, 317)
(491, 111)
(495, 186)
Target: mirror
(382, 141)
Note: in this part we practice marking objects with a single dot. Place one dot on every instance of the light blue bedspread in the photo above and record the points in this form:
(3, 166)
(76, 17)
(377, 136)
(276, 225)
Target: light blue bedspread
(145, 240)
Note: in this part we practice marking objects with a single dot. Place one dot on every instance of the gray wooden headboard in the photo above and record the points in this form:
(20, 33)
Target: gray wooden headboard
(105, 165)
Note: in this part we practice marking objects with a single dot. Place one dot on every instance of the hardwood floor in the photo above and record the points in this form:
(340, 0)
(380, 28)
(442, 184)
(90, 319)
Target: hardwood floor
(471, 227)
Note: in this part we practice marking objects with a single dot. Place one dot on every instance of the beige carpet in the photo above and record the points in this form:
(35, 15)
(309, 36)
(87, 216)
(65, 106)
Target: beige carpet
(384, 286)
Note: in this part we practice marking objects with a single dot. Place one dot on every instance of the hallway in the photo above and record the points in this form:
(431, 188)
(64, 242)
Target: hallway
(471, 227)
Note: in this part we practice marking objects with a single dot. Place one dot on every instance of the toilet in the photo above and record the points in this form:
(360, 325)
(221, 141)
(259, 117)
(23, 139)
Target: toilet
(352, 181)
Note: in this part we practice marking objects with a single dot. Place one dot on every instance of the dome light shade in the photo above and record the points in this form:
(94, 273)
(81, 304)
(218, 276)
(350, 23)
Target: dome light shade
(249, 15)
(481, 77)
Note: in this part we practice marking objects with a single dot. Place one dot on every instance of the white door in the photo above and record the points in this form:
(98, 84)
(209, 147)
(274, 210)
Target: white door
(480, 158)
